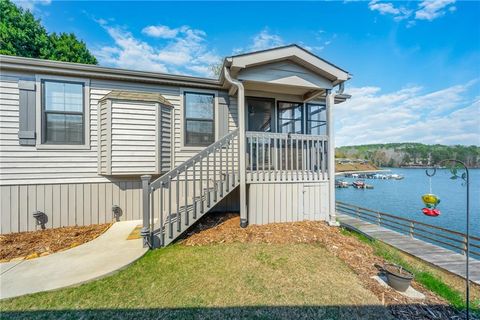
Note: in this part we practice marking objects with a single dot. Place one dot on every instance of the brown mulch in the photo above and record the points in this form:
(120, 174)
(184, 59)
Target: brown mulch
(43, 242)
(225, 228)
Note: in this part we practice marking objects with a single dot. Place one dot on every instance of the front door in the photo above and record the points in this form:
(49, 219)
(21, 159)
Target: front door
(260, 114)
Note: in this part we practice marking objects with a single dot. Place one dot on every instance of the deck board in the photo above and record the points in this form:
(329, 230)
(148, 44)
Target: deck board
(438, 256)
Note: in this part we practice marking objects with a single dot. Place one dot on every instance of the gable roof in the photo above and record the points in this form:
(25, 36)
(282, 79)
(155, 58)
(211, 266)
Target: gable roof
(292, 53)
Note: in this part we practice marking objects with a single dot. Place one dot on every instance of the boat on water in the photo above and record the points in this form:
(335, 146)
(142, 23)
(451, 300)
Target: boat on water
(396, 176)
(341, 184)
(360, 184)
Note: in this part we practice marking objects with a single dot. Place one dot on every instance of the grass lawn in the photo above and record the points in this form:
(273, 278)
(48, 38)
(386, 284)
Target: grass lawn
(234, 281)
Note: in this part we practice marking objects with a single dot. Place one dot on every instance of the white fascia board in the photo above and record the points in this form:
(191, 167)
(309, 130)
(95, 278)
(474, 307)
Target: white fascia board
(293, 53)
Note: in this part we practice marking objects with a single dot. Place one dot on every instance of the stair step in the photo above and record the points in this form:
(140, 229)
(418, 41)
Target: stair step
(199, 213)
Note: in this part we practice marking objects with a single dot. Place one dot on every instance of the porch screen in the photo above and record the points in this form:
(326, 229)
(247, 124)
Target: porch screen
(290, 117)
(199, 119)
(316, 119)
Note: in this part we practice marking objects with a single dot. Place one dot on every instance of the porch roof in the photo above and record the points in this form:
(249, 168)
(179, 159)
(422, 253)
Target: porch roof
(289, 70)
(293, 53)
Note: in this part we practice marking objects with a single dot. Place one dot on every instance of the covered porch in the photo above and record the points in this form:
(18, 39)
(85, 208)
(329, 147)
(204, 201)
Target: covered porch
(285, 98)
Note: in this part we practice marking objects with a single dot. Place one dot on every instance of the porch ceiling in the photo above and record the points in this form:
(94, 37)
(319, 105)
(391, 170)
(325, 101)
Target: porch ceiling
(281, 88)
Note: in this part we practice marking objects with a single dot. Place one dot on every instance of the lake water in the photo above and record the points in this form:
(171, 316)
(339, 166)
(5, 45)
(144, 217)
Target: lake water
(403, 197)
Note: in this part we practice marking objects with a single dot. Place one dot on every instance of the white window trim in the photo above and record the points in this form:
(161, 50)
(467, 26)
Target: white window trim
(38, 102)
(216, 120)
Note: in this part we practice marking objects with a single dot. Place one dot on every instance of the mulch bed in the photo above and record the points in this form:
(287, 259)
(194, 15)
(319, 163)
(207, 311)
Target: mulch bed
(225, 228)
(43, 242)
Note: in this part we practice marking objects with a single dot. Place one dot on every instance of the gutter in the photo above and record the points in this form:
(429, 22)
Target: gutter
(93, 71)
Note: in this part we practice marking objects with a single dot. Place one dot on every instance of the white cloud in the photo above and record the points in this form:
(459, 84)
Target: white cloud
(383, 8)
(266, 40)
(432, 9)
(409, 115)
(425, 10)
(262, 41)
(161, 31)
(184, 53)
(400, 13)
(31, 4)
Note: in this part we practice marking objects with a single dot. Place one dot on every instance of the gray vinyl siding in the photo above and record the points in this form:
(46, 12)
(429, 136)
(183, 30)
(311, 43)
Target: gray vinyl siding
(287, 202)
(284, 72)
(133, 141)
(104, 156)
(135, 138)
(68, 204)
(165, 161)
(225, 113)
(29, 165)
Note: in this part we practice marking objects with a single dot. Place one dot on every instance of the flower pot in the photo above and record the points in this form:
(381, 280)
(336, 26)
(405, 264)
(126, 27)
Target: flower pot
(397, 277)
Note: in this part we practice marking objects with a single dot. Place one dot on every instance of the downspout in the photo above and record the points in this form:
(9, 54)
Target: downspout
(241, 145)
(341, 88)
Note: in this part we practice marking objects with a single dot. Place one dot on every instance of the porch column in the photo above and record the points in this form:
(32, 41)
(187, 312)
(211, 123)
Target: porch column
(330, 102)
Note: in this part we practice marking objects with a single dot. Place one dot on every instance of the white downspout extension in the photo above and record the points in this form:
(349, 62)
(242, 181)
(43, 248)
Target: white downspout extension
(330, 102)
(241, 143)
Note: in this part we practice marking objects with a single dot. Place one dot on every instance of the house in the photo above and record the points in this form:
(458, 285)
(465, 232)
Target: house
(83, 144)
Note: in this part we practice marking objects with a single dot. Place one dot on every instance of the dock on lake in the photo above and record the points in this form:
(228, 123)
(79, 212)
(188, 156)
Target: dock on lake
(408, 238)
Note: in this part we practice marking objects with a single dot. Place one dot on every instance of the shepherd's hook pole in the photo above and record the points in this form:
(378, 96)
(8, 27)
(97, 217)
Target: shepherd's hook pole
(467, 242)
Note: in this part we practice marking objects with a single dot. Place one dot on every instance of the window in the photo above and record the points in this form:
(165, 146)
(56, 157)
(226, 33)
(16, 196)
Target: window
(63, 115)
(316, 119)
(199, 119)
(290, 117)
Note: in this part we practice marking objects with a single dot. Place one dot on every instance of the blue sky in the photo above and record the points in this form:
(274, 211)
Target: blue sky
(415, 64)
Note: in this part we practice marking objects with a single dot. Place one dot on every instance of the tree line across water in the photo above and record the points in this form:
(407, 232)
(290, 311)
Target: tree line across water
(410, 154)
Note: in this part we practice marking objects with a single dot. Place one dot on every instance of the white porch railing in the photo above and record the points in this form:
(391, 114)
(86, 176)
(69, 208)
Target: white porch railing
(282, 157)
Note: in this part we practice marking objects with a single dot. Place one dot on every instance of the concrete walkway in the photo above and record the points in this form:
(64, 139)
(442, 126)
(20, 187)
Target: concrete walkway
(102, 256)
(446, 259)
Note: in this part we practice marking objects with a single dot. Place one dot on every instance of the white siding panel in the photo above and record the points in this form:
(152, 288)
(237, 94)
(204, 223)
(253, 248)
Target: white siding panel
(287, 202)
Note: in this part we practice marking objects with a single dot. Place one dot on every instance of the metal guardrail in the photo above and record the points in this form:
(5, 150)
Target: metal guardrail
(444, 237)
(285, 157)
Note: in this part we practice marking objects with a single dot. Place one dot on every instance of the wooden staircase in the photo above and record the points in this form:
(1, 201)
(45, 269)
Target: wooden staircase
(179, 198)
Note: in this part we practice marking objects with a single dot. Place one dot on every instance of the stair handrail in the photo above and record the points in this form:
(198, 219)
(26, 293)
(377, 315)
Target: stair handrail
(199, 156)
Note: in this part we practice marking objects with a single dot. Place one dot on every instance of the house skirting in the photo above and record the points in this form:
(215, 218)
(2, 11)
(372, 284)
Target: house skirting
(287, 202)
(77, 204)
